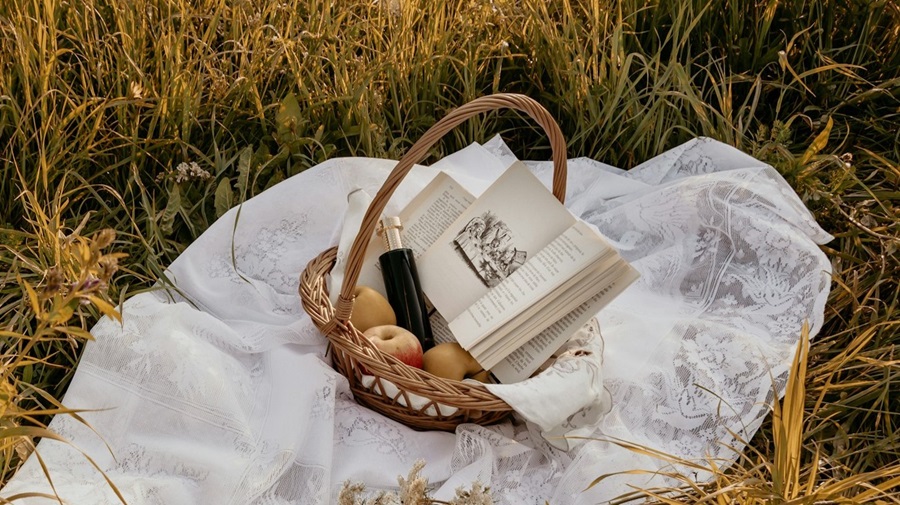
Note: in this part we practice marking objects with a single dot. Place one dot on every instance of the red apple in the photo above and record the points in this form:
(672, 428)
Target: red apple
(397, 342)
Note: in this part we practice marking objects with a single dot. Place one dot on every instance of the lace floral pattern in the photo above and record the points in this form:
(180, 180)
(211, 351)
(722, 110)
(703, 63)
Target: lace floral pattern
(220, 392)
(261, 258)
(364, 428)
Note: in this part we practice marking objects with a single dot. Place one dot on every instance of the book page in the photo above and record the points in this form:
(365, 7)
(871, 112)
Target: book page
(424, 219)
(519, 330)
(607, 282)
(432, 211)
(510, 222)
(521, 363)
(556, 265)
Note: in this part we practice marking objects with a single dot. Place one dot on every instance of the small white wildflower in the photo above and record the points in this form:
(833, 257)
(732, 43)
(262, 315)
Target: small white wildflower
(185, 172)
(847, 158)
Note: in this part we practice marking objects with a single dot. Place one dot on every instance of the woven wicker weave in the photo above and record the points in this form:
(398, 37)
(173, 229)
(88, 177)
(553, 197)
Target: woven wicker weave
(350, 349)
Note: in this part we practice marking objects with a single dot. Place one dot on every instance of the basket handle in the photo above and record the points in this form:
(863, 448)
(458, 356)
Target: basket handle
(419, 151)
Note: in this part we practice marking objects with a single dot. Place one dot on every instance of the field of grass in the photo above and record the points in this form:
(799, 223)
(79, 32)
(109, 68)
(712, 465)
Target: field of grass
(151, 118)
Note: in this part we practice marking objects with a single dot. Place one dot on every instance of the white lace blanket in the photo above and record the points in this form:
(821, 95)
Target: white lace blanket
(221, 394)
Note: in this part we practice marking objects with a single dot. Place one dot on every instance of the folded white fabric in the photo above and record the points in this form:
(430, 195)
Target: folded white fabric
(567, 396)
(357, 203)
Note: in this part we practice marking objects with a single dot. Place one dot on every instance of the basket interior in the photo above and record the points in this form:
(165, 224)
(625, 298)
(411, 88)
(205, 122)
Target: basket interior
(404, 393)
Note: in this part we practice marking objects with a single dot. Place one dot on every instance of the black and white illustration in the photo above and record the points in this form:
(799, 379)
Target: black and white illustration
(488, 247)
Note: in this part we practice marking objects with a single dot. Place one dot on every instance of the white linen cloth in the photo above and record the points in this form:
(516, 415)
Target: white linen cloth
(221, 394)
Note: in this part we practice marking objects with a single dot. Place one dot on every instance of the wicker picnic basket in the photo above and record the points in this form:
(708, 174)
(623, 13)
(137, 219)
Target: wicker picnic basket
(350, 350)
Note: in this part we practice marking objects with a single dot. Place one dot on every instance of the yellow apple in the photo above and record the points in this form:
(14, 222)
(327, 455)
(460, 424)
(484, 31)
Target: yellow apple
(482, 376)
(370, 309)
(450, 361)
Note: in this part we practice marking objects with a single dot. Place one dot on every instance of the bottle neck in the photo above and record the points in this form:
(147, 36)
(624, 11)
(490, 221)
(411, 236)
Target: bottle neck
(389, 229)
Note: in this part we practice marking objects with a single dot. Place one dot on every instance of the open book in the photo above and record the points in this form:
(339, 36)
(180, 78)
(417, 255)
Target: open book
(511, 274)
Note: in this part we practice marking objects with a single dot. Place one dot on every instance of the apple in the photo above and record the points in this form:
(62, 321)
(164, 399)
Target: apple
(398, 342)
(482, 376)
(450, 361)
(370, 309)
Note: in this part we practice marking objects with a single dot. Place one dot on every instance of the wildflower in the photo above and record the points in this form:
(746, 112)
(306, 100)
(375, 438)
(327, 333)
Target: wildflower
(187, 171)
(478, 495)
(413, 491)
(413, 488)
(847, 158)
(53, 281)
(349, 493)
(384, 498)
(90, 284)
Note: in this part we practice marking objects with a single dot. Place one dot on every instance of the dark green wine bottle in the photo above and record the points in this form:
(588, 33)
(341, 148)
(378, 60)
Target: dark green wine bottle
(401, 282)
